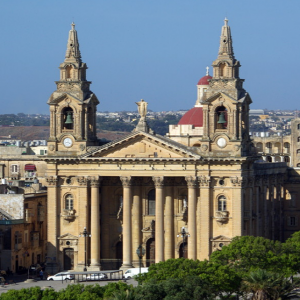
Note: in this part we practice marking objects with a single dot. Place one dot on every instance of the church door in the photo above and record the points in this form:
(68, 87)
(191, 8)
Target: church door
(68, 259)
(183, 250)
(150, 252)
(119, 255)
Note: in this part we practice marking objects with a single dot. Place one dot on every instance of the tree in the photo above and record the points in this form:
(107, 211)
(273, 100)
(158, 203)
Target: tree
(223, 279)
(247, 253)
(266, 285)
(190, 287)
(291, 254)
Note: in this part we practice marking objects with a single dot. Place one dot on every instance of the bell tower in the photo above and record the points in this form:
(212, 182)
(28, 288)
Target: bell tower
(226, 104)
(72, 106)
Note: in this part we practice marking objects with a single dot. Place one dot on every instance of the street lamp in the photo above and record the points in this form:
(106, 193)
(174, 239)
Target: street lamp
(183, 233)
(140, 251)
(85, 234)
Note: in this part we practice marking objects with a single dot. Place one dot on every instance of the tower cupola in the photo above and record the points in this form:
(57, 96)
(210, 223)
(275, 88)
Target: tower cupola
(202, 87)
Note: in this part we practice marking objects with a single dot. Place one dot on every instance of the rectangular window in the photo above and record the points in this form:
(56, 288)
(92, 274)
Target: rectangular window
(42, 152)
(14, 168)
(292, 221)
(151, 208)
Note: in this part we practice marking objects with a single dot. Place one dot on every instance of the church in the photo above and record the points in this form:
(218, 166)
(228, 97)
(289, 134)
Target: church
(185, 194)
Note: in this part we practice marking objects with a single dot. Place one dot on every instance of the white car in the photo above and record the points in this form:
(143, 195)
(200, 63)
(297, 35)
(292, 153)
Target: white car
(62, 276)
(130, 273)
(96, 276)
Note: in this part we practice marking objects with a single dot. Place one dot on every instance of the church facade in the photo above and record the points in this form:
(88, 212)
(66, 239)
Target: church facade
(181, 195)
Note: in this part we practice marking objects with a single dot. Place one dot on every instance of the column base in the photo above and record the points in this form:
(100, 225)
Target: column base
(94, 268)
(125, 267)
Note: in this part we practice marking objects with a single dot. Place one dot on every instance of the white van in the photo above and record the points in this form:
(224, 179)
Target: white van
(134, 271)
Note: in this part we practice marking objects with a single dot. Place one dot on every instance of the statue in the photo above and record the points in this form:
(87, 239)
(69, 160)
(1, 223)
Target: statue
(142, 108)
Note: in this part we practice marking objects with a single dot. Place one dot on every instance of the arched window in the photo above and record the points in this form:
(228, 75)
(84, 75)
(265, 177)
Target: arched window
(151, 202)
(221, 117)
(298, 140)
(269, 145)
(287, 159)
(298, 126)
(259, 147)
(68, 120)
(298, 165)
(286, 147)
(69, 203)
(277, 148)
(222, 206)
(69, 72)
(222, 68)
(298, 151)
(269, 159)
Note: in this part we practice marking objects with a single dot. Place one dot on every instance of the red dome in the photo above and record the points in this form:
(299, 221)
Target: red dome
(203, 80)
(193, 117)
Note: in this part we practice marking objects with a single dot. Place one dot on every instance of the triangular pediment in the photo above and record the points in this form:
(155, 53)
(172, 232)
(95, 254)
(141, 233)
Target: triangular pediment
(221, 238)
(56, 98)
(142, 145)
(220, 95)
(68, 236)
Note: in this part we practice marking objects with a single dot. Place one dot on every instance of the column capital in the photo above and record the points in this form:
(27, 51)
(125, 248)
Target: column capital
(158, 181)
(52, 180)
(126, 181)
(204, 180)
(95, 181)
(82, 181)
(191, 181)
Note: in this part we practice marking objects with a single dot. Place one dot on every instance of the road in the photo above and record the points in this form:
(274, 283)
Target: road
(21, 282)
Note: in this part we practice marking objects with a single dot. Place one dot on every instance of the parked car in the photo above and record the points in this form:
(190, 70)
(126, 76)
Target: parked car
(96, 276)
(62, 276)
(134, 271)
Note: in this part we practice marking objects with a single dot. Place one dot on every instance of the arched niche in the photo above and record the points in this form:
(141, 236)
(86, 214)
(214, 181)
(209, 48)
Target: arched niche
(221, 117)
(67, 118)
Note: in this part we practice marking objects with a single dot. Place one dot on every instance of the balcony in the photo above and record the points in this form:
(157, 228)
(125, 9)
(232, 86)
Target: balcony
(222, 216)
(68, 214)
(18, 246)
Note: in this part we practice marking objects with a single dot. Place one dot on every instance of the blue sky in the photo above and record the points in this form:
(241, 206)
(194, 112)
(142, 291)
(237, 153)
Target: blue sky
(155, 50)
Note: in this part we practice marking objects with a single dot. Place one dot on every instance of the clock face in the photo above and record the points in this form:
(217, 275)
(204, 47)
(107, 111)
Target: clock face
(221, 142)
(68, 142)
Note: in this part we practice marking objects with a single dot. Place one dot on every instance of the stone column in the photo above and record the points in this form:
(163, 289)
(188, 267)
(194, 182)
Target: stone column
(95, 223)
(127, 228)
(52, 231)
(240, 123)
(192, 208)
(86, 124)
(159, 218)
(205, 122)
(53, 123)
(204, 236)
(136, 219)
(234, 124)
(169, 221)
(83, 219)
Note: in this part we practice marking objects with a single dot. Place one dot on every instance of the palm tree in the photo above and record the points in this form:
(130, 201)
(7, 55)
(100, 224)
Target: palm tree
(123, 295)
(266, 285)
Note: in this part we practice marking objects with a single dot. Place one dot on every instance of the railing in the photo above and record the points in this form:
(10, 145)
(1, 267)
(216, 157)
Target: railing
(11, 222)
